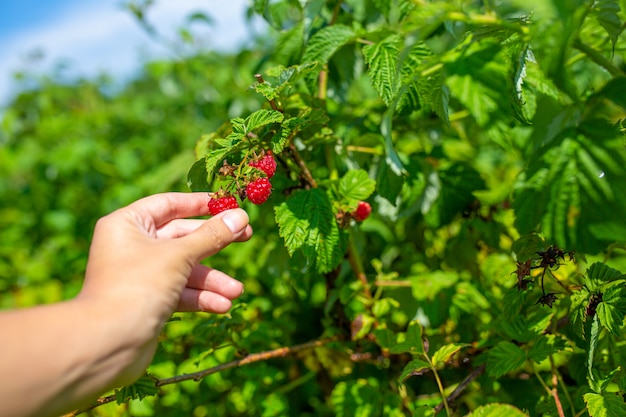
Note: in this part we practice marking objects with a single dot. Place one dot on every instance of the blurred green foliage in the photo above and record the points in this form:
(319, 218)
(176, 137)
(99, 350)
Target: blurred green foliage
(495, 136)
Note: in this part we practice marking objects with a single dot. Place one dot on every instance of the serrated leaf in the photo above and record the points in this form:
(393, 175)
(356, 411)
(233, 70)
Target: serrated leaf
(546, 346)
(604, 405)
(356, 185)
(306, 222)
(594, 335)
(572, 190)
(599, 274)
(382, 58)
(215, 159)
(414, 368)
(143, 387)
(323, 45)
(262, 118)
(578, 311)
(435, 93)
(445, 352)
(503, 358)
(497, 410)
(325, 42)
(607, 14)
(612, 309)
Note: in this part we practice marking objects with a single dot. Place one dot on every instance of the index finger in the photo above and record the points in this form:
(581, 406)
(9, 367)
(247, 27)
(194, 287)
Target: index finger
(162, 208)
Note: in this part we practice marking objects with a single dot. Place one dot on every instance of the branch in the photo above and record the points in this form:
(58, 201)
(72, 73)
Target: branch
(598, 58)
(197, 376)
(461, 387)
(305, 170)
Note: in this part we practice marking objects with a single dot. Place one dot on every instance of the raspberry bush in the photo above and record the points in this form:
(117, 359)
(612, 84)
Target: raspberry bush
(484, 144)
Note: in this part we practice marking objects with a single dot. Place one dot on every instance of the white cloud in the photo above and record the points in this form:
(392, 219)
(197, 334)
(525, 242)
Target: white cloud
(102, 37)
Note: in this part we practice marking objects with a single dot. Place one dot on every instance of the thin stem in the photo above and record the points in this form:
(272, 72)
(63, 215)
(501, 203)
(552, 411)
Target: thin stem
(440, 385)
(598, 58)
(305, 170)
(196, 376)
(461, 387)
(555, 390)
(357, 265)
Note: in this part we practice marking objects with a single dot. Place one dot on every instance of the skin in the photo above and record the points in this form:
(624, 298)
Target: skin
(144, 264)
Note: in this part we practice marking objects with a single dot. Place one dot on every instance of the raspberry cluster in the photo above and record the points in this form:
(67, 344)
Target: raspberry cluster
(255, 186)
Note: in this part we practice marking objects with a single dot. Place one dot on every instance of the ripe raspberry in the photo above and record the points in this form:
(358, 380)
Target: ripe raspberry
(258, 191)
(266, 164)
(362, 211)
(218, 205)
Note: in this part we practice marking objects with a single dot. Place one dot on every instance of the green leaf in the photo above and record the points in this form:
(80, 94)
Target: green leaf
(578, 311)
(414, 368)
(356, 185)
(413, 341)
(458, 182)
(545, 346)
(143, 387)
(215, 159)
(599, 274)
(198, 177)
(594, 336)
(497, 410)
(614, 91)
(612, 309)
(262, 118)
(306, 222)
(607, 14)
(382, 59)
(358, 398)
(445, 352)
(503, 358)
(323, 45)
(604, 405)
(573, 192)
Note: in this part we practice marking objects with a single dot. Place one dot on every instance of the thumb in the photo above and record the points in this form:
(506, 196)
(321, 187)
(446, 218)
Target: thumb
(217, 233)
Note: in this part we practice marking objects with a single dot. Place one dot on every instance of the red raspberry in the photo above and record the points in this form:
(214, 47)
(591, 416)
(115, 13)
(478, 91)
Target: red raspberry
(258, 191)
(362, 211)
(266, 164)
(218, 205)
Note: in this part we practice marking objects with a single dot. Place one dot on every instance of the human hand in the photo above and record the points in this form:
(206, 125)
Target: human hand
(144, 262)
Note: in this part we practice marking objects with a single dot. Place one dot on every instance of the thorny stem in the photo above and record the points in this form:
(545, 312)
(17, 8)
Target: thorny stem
(197, 376)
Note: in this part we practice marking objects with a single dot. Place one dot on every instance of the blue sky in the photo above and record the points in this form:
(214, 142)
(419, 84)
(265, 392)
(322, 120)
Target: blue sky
(90, 37)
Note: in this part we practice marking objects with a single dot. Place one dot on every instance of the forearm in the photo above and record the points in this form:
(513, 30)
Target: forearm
(58, 357)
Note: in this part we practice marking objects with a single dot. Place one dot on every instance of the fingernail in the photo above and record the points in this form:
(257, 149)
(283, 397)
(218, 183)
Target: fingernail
(235, 220)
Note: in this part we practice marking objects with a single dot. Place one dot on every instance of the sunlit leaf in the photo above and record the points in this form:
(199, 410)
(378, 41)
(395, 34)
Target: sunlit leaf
(604, 405)
(503, 358)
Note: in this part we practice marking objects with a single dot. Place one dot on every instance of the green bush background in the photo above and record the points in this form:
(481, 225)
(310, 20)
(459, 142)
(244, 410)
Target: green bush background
(72, 153)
